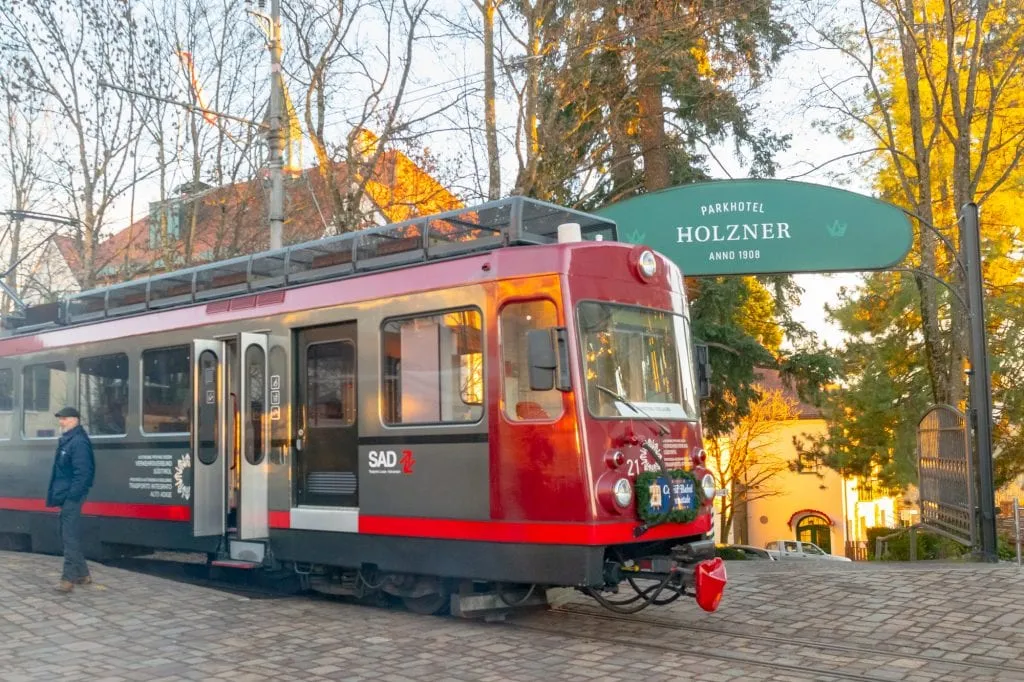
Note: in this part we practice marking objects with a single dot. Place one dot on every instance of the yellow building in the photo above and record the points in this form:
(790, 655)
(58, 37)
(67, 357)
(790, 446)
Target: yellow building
(789, 496)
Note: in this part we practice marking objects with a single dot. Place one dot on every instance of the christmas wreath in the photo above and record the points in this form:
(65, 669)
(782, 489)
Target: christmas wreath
(671, 502)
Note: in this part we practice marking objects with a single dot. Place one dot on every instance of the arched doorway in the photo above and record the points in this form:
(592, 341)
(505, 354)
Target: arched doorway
(813, 528)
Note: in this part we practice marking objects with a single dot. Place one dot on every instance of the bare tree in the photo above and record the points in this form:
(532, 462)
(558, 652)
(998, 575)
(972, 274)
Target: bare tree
(21, 167)
(63, 49)
(354, 62)
(936, 90)
(747, 461)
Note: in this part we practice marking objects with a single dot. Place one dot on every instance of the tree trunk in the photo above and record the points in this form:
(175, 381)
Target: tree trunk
(653, 141)
(921, 200)
(650, 107)
(490, 114)
(527, 179)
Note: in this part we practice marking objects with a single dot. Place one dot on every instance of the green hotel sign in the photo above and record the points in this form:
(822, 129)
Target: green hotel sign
(764, 226)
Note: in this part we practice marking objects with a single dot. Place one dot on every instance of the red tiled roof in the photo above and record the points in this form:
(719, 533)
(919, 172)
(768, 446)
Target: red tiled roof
(232, 220)
(771, 380)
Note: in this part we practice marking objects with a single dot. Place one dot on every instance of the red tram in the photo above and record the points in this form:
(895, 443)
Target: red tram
(461, 411)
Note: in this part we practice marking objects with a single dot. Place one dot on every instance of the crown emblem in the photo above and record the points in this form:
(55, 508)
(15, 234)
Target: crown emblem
(836, 229)
(636, 237)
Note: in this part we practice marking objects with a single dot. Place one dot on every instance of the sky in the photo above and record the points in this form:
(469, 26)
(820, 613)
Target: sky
(783, 106)
(786, 106)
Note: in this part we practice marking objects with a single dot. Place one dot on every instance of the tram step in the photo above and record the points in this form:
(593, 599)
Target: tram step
(232, 563)
(247, 550)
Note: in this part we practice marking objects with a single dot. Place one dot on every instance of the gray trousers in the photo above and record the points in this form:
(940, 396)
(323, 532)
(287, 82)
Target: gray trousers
(75, 567)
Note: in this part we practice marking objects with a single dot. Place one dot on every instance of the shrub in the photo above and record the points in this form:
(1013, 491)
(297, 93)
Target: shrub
(929, 545)
(729, 553)
(1006, 548)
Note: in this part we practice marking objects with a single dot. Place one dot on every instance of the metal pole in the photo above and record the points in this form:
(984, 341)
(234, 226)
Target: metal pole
(1016, 527)
(275, 135)
(981, 391)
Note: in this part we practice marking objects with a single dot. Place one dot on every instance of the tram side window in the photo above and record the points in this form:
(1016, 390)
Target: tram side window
(45, 392)
(103, 394)
(6, 403)
(522, 404)
(433, 369)
(166, 390)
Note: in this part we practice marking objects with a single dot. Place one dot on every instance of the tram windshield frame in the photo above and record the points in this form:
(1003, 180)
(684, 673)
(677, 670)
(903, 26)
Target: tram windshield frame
(642, 354)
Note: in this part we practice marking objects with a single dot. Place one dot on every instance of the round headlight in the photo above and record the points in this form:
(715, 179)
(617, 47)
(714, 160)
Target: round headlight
(708, 484)
(647, 264)
(623, 492)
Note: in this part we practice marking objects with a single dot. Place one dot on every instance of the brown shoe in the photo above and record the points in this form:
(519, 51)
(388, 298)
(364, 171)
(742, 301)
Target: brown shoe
(65, 586)
(87, 580)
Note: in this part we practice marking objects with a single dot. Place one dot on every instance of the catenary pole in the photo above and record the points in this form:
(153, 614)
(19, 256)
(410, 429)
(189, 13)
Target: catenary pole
(275, 134)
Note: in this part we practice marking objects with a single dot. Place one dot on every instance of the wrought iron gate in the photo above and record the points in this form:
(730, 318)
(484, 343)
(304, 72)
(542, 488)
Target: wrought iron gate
(946, 474)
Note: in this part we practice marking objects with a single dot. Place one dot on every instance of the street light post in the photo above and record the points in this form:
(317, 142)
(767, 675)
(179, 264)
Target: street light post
(980, 379)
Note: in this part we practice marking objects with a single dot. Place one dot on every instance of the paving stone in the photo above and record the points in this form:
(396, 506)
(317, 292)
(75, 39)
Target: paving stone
(917, 623)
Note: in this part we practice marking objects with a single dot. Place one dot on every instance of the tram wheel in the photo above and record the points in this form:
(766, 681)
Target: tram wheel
(428, 604)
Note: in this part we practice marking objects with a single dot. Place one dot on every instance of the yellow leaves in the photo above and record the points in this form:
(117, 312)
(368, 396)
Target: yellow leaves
(699, 52)
(757, 315)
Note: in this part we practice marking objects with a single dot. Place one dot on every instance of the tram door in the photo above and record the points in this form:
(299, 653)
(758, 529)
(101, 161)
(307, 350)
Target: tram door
(209, 437)
(230, 439)
(253, 429)
(327, 462)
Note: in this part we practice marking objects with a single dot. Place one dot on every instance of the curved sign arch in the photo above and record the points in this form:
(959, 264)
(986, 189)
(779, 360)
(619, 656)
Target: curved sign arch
(733, 227)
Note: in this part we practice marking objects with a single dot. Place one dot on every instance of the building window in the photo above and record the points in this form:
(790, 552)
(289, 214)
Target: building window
(45, 392)
(158, 213)
(6, 403)
(103, 394)
(433, 369)
(166, 390)
(521, 403)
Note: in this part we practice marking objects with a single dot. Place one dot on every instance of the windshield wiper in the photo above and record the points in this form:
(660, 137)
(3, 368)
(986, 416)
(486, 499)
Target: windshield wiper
(625, 401)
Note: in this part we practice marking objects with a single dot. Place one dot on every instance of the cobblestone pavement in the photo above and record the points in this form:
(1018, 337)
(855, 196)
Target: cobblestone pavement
(778, 621)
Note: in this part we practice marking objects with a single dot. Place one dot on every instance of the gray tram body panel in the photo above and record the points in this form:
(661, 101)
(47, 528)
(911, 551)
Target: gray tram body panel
(450, 480)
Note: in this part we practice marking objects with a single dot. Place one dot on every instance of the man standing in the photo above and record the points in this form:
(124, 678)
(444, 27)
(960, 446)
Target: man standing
(73, 469)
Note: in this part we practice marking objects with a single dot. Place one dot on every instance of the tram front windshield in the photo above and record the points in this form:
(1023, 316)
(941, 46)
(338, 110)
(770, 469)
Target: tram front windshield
(641, 355)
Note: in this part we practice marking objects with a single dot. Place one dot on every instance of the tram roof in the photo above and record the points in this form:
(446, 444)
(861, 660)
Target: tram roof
(514, 221)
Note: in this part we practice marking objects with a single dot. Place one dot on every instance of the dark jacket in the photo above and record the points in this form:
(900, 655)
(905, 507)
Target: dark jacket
(73, 468)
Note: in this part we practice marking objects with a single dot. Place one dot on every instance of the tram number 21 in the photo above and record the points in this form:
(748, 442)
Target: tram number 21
(634, 468)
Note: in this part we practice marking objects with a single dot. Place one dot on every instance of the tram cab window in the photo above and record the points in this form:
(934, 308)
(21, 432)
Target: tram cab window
(433, 369)
(103, 394)
(45, 391)
(166, 390)
(521, 403)
(6, 403)
(637, 353)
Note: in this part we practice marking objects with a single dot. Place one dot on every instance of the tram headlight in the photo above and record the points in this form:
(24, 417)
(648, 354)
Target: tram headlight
(647, 264)
(708, 484)
(623, 492)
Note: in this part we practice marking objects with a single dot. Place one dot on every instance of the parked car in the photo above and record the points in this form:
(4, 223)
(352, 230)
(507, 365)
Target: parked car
(795, 549)
(749, 552)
